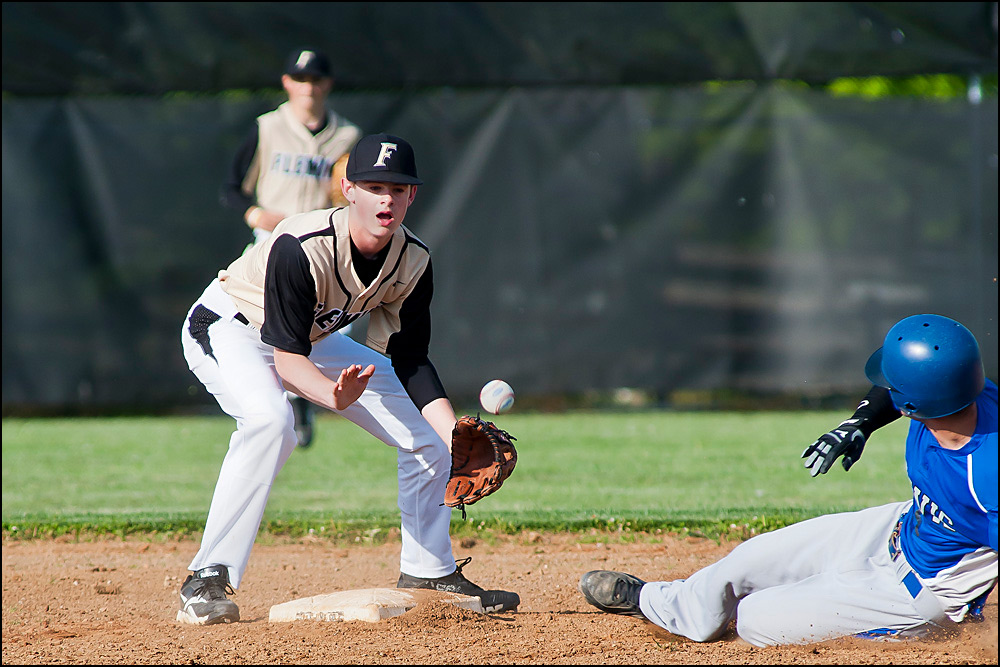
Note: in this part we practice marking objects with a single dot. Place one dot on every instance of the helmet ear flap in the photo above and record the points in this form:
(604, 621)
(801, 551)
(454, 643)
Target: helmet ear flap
(931, 364)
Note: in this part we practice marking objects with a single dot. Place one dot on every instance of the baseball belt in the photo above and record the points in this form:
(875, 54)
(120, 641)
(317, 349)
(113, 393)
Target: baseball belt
(924, 600)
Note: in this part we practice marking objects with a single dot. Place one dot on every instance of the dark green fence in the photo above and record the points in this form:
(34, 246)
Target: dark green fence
(599, 216)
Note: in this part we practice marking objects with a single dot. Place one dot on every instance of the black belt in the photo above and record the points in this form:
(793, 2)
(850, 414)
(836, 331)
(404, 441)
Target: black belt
(240, 317)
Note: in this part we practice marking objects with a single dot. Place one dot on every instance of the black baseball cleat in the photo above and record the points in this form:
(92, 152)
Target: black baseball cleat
(203, 598)
(613, 592)
(493, 601)
(305, 418)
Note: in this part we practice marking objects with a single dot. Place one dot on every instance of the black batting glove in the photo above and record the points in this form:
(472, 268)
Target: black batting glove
(847, 440)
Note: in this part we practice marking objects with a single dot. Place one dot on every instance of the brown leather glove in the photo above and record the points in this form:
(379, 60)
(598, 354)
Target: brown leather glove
(482, 458)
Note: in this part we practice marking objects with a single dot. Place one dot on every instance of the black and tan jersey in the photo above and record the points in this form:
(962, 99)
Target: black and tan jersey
(302, 284)
(307, 280)
(285, 167)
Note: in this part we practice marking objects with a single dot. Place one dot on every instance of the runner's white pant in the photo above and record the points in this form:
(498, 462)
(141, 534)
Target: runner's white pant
(240, 374)
(827, 577)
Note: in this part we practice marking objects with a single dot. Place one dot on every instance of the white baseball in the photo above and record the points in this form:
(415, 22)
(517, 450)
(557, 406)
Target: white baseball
(496, 397)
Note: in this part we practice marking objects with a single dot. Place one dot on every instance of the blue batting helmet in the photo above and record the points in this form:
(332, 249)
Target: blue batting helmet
(930, 364)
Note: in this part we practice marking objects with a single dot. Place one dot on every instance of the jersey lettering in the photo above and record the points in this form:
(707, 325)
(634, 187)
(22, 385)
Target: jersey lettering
(303, 165)
(930, 508)
(336, 319)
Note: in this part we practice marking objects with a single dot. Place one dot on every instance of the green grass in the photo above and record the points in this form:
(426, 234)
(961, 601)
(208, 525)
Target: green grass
(576, 470)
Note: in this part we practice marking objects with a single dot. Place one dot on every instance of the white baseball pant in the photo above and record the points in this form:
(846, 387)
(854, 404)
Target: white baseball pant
(831, 576)
(240, 374)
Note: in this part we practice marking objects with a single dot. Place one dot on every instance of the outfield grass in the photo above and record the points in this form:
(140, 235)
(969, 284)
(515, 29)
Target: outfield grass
(574, 469)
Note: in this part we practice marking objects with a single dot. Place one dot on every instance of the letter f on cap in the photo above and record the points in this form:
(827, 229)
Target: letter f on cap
(384, 154)
(304, 59)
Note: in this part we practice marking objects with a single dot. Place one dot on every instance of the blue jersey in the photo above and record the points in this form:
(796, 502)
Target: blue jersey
(954, 511)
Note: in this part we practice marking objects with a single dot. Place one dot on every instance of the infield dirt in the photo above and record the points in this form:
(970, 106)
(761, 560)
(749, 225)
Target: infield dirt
(113, 601)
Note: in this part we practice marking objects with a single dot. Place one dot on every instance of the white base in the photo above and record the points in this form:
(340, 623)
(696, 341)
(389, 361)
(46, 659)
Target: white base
(368, 604)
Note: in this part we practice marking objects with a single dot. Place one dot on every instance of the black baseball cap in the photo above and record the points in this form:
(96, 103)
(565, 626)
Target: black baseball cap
(308, 62)
(385, 158)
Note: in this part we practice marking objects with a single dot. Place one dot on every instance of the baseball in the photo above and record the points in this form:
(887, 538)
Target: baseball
(496, 397)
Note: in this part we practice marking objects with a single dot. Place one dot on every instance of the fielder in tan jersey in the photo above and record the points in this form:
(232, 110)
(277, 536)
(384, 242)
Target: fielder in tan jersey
(294, 157)
(263, 327)
(292, 162)
(291, 169)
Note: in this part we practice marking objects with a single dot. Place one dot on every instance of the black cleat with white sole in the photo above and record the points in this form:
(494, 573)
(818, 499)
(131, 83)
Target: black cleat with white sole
(492, 601)
(203, 598)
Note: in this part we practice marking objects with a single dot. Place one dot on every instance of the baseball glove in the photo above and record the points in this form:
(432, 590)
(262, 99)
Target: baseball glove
(482, 458)
(337, 197)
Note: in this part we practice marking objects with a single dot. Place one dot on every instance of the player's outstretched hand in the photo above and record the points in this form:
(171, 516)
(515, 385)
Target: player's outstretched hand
(351, 384)
(846, 440)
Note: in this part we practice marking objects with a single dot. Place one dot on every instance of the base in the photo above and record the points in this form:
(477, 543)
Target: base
(368, 604)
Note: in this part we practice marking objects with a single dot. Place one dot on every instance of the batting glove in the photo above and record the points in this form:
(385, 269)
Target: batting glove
(846, 440)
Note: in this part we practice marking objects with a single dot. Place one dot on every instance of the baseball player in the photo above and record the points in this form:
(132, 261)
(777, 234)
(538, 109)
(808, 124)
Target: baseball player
(267, 324)
(291, 162)
(899, 570)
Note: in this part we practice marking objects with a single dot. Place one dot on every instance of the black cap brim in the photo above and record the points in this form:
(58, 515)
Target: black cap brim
(308, 71)
(385, 177)
(317, 65)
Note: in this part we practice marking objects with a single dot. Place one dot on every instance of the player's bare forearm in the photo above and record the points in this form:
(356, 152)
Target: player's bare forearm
(441, 416)
(303, 377)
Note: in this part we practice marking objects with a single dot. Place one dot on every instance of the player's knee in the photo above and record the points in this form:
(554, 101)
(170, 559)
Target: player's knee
(271, 425)
(753, 622)
(429, 459)
(438, 454)
(760, 623)
(707, 634)
(429, 446)
(438, 457)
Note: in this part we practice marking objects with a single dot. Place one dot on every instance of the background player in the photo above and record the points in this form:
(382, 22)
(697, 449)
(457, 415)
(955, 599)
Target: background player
(901, 569)
(291, 162)
(268, 320)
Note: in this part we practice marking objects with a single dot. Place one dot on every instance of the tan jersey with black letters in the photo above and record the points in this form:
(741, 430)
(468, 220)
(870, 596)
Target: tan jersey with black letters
(341, 296)
(290, 172)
